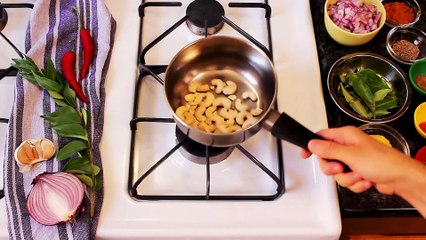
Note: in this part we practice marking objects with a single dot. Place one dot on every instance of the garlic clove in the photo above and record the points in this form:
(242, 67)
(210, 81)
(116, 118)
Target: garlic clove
(47, 148)
(33, 151)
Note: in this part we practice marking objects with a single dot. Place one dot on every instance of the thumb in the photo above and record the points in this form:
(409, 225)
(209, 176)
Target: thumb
(330, 150)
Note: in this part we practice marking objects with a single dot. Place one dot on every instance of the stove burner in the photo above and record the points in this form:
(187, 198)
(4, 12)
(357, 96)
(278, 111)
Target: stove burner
(205, 15)
(3, 18)
(196, 152)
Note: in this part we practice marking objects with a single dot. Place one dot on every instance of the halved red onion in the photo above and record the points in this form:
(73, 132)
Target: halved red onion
(55, 198)
(354, 16)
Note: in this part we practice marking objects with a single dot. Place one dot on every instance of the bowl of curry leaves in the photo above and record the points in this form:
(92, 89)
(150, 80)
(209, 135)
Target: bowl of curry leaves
(369, 87)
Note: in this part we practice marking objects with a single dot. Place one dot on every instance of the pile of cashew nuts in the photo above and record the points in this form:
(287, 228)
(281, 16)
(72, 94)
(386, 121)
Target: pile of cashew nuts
(215, 108)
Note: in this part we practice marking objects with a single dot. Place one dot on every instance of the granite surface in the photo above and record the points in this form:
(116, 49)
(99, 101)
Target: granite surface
(370, 203)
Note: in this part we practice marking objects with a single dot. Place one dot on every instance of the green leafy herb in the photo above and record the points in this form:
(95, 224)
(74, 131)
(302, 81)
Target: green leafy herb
(367, 93)
(70, 149)
(69, 121)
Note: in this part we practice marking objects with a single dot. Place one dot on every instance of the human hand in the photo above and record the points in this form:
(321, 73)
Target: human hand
(372, 162)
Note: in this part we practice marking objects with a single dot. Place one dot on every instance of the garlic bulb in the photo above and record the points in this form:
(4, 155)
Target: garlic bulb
(33, 151)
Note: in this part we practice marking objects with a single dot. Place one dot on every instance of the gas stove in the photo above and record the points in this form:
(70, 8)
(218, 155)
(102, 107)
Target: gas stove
(171, 201)
(218, 173)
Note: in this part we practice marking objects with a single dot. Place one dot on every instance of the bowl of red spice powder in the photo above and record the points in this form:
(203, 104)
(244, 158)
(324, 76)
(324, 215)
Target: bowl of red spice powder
(406, 44)
(417, 75)
(420, 119)
(401, 12)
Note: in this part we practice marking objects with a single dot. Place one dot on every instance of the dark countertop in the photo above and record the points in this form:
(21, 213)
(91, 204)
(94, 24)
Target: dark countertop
(369, 203)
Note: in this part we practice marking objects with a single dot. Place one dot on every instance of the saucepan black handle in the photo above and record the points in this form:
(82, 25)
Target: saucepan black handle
(288, 129)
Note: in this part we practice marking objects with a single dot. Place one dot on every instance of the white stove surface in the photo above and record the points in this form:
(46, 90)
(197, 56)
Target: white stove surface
(309, 207)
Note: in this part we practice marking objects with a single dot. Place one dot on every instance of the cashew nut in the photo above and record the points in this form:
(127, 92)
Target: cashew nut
(240, 106)
(218, 85)
(206, 127)
(249, 94)
(228, 113)
(249, 122)
(189, 118)
(190, 97)
(242, 117)
(230, 122)
(203, 88)
(226, 129)
(183, 113)
(192, 87)
(181, 110)
(231, 88)
(256, 111)
(223, 128)
(232, 97)
(210, 112)
(234, 128)
(207, 100)
(222, 101)
(218, 120)
(197, 99)
(199, 114)
(195, 124)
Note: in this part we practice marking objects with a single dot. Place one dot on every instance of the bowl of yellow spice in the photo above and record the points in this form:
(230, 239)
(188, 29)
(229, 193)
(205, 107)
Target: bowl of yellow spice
(406, 44)
(387, 135)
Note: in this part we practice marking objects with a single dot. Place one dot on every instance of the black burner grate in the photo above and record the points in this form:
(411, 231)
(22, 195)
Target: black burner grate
(10, 71)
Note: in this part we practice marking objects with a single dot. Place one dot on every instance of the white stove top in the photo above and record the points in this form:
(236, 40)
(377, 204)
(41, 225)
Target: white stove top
(309, 207)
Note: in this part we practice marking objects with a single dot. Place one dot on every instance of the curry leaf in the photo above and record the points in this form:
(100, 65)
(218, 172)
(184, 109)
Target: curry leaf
(84, 115)
(72, 130)
(64, 115)
(71, 148)
(98, 184)
(78, 165)
(381, 94)
(85, 179)
(387, 103)
(47, 83)
(61, 103)
(55, 95)
(355, 103)
(374, 82)
(69, 95)
(50, 70)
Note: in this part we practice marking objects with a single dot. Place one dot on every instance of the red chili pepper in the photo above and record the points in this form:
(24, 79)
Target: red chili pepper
(68, 65)
(87, 43)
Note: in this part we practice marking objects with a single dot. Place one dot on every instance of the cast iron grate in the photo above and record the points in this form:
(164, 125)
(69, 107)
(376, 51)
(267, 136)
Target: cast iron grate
(10, 71)
(153, 70)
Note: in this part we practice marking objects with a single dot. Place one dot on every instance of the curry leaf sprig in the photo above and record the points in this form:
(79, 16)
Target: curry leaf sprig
(367, 93)
(69, 121)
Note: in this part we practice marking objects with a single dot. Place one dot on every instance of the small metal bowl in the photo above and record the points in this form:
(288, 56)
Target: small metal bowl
(411, 3)
(387, 70)
(411, 34)
(395, 138)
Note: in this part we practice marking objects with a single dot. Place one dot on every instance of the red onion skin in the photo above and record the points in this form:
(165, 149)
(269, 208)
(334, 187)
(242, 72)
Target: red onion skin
(67, 185)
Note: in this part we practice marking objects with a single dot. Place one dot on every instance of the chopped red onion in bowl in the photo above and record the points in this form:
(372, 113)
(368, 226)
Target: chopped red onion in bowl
(354, 16)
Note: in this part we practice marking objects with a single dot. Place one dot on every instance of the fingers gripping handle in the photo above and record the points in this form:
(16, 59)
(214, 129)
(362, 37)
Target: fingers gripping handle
(288, 129)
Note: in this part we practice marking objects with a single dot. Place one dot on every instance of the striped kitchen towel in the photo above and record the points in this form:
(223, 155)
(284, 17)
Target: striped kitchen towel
(53, 29)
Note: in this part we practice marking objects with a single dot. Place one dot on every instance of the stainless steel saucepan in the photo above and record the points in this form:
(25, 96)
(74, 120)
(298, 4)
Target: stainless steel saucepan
(232, 59)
